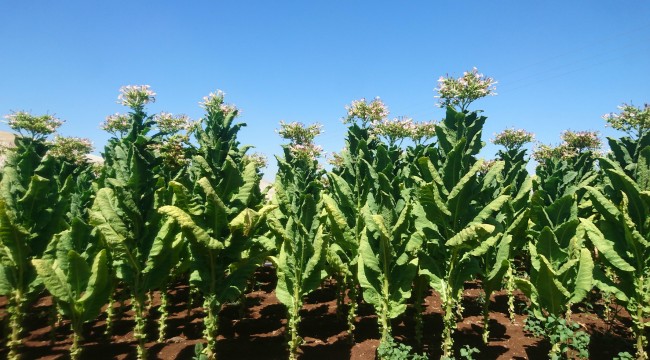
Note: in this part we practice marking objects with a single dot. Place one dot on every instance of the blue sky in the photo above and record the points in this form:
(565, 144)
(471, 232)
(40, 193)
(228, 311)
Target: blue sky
(560, 64)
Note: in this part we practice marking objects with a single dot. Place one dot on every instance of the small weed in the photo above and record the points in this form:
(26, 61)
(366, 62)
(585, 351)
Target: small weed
(391, 350)
(565, 336)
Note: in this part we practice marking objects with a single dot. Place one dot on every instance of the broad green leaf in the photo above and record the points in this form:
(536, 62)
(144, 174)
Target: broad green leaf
(605, 246)
(54, 280)
(585, 277)
(98, 288)
(78, 273)
(190, 229)
(472, 232)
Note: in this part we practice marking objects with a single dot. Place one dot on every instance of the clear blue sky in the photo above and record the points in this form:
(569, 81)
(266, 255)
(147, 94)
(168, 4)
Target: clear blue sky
(560, 64)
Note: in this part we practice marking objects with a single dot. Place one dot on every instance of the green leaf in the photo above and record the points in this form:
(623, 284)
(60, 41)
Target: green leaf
(493, 206)
(216, 212)
(471, 232)
(54, 280)
(191, 229)
(78, 273)
(552, 294)
(98, 288)
(251, 183)
(105, 216)
(312, 275)
(584, 281)
(604, 206)
(369, 273)
(605, 246)
(492, 281)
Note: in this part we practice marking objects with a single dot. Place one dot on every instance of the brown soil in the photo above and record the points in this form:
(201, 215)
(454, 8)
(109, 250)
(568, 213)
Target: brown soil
(257, 331)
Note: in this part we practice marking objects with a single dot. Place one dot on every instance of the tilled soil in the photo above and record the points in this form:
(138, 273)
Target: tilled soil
(257, 330)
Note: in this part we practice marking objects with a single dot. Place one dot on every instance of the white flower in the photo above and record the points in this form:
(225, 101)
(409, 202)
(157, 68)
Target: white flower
(136, 96)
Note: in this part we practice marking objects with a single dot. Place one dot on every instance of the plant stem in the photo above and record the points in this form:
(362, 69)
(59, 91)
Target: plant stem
(420, 284)
(75, 350)
(163, 316)
(110, 315)
(294, 339)
(190, 299)
(352, 311)
(449, 321)
(211, 326)
(15, 320)
(640, 336)
(510, 286)
(486, 318)
(140, 326)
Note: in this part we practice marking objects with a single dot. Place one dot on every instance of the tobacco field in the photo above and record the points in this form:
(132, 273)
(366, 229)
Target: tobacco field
(408, 245)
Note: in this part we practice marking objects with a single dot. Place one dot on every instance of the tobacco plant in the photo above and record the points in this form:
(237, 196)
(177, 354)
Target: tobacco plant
(561, 272)
(33, 207)
(455, 225)
(80, 289)
(218, 208)
(620, 232)
(349, 185)
(514, 173)
(298, 224)
(143, 247)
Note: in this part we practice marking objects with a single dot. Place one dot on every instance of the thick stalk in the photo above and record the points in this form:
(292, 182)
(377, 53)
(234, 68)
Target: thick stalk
(352, 311)
(384, 324)
(110, 315)
(149, 300)
(384, 316)
(162, 321)
(211, 326)
(75, 349)
(341, 285)
(510, 286)
(449, 321)
(420, 285)
(640, 334)
(638, 322)
(486, 318)
(140, 326)
(294, 320)
(15, 320)
(190, 299)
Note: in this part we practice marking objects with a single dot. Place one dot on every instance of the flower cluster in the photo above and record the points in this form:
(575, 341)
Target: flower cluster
(423, 131)
(306, 152)
(513, 139)
(136, 96)
(172, 150)
(633, 120)
(258, 159)
(337, 159)
(170, 124)
(71, 149)
(402, 128)
(301, 138)
(393, 130)
(463, 91)
(581, 141)
(214, 102)
(298, 133)
(376, 110)
(486, 166)
(35, 127)
(543, 153)
(573, 144)
(117, 124)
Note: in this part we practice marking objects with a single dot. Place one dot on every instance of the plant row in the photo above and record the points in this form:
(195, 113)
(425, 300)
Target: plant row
(405, 208)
